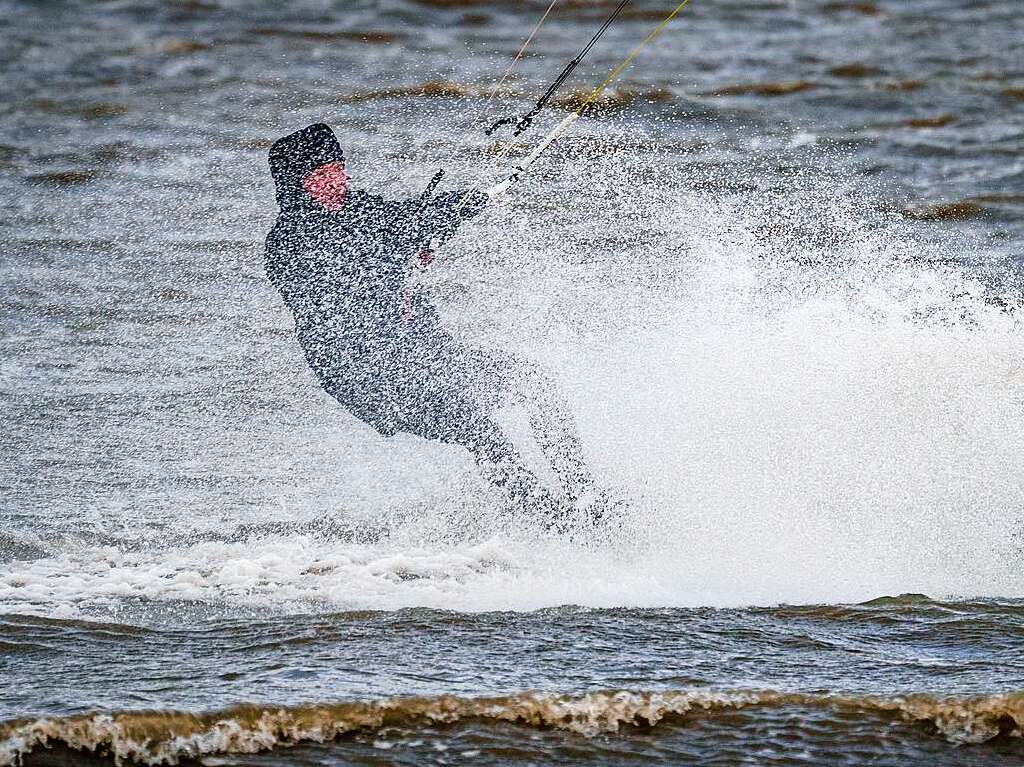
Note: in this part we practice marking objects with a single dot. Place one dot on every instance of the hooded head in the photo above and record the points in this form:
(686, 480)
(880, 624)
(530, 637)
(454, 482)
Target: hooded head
(308, 167)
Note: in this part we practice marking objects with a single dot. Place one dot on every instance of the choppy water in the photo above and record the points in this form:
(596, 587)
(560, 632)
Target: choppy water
(778, 274)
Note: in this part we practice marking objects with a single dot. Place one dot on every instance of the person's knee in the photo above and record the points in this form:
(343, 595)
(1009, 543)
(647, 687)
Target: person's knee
(541, 390)
(373, 413)
(488, 442)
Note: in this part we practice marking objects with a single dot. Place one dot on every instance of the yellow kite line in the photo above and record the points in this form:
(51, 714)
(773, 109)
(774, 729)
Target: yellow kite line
(565, 124)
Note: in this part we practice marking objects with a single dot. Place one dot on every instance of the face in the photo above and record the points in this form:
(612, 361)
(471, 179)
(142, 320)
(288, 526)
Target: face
(327, 185)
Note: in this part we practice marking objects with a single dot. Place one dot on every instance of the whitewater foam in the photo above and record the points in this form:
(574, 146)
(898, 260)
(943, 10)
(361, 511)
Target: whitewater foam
(800, 398)
(167, 737)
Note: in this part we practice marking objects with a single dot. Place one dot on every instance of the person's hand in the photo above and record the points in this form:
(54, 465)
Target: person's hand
(474, 202)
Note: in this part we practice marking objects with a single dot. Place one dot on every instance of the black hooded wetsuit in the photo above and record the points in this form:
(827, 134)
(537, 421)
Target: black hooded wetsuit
(377, 349)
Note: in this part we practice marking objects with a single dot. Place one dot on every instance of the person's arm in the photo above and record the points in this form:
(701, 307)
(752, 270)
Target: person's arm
(440, 216)
(407, 224)
(379, 225)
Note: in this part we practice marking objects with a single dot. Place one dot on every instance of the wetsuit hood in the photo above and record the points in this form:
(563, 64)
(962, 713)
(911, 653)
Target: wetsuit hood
(295, 155)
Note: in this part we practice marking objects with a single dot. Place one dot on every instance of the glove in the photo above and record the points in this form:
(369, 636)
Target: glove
(474, 202)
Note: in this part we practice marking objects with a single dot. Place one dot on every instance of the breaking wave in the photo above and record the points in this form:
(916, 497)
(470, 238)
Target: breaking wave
(801, 400)
(156, 737)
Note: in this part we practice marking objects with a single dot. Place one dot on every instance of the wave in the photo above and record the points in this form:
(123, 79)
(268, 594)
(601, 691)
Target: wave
(166, 737)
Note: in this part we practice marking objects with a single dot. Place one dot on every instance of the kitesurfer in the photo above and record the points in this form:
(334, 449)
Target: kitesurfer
(341, 259)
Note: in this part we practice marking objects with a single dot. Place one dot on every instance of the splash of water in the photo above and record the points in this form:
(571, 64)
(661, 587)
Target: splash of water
(167, 737)
(801, 398)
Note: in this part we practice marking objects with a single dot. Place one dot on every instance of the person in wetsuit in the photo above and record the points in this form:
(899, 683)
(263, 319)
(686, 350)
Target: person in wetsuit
(340, 259)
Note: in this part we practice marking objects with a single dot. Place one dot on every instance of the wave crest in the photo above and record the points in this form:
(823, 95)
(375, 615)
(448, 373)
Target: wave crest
(167, 737)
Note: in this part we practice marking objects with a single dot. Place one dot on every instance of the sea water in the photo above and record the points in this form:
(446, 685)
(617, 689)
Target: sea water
(776, 273)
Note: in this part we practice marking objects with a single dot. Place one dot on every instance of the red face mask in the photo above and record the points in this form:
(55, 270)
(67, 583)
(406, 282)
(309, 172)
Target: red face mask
(327, 185)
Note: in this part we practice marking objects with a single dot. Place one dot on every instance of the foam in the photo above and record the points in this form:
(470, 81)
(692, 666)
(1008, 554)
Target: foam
(802, 401)
(167, 737)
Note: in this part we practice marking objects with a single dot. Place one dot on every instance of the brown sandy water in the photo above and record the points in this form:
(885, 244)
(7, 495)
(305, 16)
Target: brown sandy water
(787, 685)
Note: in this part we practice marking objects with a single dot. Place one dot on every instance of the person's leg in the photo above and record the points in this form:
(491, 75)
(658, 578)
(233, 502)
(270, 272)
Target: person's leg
(501, 463)
(435, 408)
(362, 401)
(440, 408)
(554, 428)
